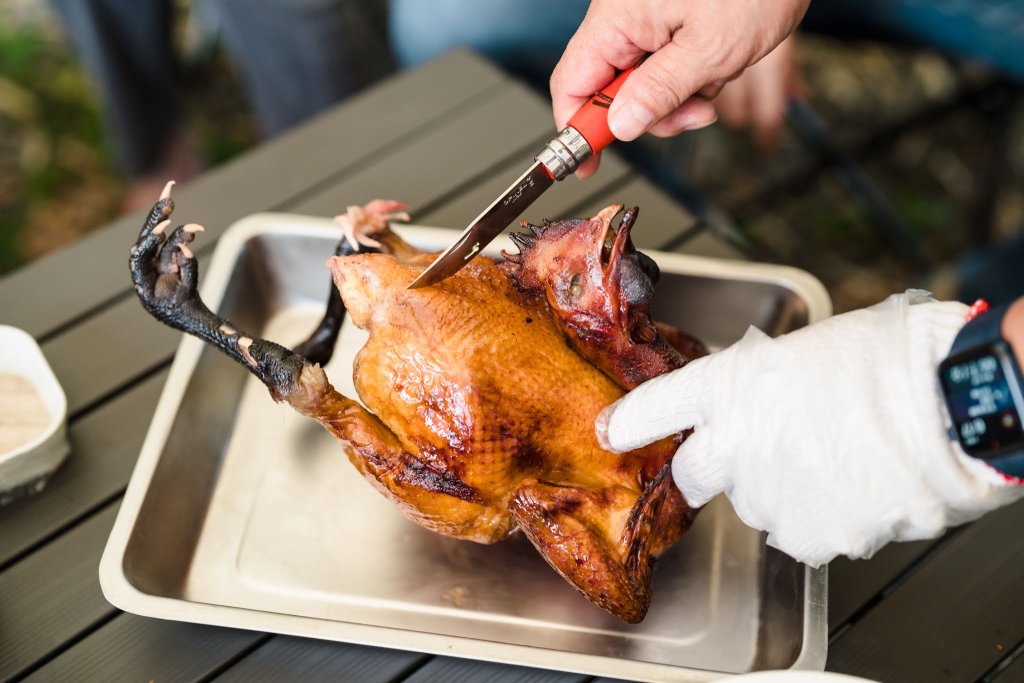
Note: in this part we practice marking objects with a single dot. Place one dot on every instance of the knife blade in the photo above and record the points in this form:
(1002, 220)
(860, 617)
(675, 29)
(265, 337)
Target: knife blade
(488, 225)
(586, 134)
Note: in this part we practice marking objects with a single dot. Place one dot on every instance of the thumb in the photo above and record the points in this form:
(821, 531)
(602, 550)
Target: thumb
(662, 406)
(697, 470)
(658, 87)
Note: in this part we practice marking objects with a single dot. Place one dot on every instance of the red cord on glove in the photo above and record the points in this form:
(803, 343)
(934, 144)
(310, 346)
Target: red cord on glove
(976, 309)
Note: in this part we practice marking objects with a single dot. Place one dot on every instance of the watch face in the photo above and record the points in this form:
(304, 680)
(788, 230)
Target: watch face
(982, 395)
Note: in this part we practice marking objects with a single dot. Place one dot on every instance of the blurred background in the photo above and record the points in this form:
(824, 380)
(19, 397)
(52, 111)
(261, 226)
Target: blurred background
(902, 166)
(59, 172)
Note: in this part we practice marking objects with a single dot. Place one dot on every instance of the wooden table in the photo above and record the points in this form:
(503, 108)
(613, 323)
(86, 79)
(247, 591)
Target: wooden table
(443, 138)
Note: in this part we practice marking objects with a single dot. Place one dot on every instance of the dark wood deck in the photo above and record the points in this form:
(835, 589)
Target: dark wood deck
(944, 610)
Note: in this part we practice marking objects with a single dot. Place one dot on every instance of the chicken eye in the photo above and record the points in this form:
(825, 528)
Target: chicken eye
(575, 287)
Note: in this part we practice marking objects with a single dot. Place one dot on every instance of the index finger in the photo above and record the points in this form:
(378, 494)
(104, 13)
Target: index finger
(586, 66)
(577, 76)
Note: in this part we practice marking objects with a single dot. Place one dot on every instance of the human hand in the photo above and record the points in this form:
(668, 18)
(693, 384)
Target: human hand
(757, 98)
(694, 48)
(833, 438)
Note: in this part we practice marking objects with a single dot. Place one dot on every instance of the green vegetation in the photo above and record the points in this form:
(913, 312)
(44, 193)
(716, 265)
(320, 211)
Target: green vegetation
(52, 136)
(58, 175)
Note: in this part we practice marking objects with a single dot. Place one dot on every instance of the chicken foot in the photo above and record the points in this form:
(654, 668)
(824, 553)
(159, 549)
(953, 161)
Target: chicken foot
(166, 275)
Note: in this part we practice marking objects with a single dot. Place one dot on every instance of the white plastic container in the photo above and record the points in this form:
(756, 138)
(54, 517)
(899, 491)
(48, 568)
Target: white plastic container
(25, 468)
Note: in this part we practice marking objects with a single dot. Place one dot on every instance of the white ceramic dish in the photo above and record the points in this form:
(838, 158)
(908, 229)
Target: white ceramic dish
(27, 468)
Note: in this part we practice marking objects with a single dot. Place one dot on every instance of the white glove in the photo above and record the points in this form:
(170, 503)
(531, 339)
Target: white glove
(833, 438)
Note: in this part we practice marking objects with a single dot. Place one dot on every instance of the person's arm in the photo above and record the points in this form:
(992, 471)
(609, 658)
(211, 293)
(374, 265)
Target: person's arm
(757, 100)
(834, 438)
(693, 48)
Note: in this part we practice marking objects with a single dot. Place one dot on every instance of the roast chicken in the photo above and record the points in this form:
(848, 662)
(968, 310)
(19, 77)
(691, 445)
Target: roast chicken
(481, 392)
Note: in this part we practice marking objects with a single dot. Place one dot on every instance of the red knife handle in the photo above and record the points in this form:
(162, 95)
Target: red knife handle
(592, 118)
(586, 134)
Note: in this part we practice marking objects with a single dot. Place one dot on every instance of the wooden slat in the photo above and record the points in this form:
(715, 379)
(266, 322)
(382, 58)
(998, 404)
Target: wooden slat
(104, 447)
(453, 670)
(343, 139)
(109, 350)
(53, 595)
(468, 143)
(301, 659)
(133, 649)
(705, 243)
(852, 583)
(1013, 673)
(951, 618)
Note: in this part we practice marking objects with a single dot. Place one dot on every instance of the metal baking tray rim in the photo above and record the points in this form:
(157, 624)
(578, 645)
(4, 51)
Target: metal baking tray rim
(121, 593)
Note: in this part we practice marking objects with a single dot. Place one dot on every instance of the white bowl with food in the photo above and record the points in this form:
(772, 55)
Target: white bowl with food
(33, 416)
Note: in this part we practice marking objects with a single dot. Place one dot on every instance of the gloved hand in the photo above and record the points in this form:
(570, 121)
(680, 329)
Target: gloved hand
(833, 438)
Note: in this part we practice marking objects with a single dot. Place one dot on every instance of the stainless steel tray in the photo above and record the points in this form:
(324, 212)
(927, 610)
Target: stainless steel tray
(242, 513)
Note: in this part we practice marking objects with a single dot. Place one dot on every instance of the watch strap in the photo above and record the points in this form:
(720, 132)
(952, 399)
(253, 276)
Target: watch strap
(1010, 466)
(983, 329)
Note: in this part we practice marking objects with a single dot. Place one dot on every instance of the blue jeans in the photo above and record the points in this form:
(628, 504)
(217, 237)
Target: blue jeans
(525, 37)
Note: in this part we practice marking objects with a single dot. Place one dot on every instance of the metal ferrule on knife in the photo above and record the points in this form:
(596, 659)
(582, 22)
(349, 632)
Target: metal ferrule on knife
(564, 153)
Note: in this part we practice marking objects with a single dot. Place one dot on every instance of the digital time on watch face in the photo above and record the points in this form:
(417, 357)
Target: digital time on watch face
(980, 395)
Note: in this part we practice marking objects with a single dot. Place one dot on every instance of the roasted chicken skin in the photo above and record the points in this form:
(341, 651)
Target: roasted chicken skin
(482, 390)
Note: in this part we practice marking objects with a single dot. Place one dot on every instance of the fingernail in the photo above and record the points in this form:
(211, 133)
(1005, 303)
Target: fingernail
(601, 426)
(629, 121)
(696, 120)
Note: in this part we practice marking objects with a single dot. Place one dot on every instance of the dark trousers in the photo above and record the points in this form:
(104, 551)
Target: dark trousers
(296, 58)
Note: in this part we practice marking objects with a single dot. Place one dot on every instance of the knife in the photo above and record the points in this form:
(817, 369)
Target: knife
(586, 134)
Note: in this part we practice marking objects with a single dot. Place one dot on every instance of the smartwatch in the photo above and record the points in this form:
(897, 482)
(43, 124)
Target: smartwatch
(984, 392)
